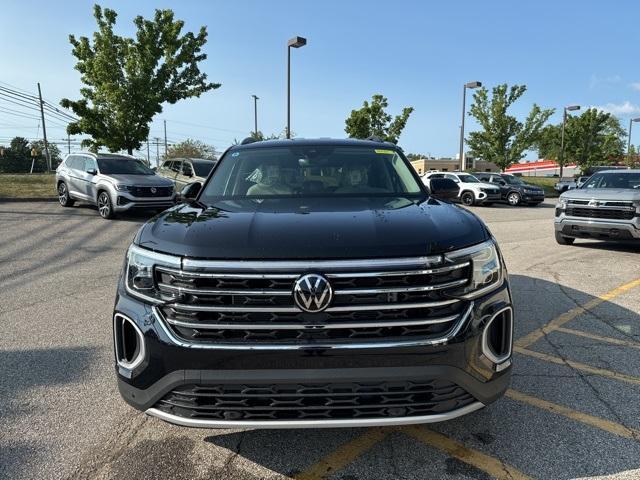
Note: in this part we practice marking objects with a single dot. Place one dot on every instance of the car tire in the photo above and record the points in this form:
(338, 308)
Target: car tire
(105, 208)
(562, 240)
(467, 198)
(63, 195)
(514, 199)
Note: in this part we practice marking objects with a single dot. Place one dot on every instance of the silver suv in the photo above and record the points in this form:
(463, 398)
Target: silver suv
(114, 183)
(605, 207)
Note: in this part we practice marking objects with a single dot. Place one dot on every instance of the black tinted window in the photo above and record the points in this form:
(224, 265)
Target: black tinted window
(202, 168)
(123, 166)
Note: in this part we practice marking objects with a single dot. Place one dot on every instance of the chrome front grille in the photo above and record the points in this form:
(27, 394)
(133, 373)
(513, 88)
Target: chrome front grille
(231, 302)
(615, 210)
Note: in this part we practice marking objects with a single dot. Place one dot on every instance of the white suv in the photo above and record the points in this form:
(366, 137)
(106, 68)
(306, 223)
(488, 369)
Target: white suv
(472, 190)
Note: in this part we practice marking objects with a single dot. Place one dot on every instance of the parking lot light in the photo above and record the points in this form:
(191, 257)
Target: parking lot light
(295, 42)
(464, 102)
(631, 120)
(568, 108)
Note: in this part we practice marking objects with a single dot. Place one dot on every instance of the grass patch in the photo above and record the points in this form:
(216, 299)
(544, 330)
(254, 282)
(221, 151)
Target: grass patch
(546, 183)
(28, 185)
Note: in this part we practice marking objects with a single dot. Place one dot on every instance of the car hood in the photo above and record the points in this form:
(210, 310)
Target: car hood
(141, 180)
(621, 194)
(313, 229)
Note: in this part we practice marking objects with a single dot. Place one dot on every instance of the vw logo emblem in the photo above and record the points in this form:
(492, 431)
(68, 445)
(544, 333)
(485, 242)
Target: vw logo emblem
(153, 190)
(312, 293)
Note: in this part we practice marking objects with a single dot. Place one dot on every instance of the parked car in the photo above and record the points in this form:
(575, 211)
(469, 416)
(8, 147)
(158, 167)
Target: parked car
(472, 190)
(606, 207)
(513, 189)
(114, 183)
(182, 171)
(565, 184)
(312, 283)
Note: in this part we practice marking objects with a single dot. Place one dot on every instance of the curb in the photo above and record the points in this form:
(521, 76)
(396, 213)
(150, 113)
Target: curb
(27, 199)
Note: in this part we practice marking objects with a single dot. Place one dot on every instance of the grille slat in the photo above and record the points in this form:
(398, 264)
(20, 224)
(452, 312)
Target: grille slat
(303, 401)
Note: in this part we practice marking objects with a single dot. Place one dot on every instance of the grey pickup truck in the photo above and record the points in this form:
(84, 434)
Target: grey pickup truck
(605, 207)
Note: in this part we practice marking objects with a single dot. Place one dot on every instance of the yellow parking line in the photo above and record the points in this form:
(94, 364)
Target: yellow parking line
(601, 423)
(579, 366)
(560, 320)
(491, 465)
(344, 455)
(614, 341)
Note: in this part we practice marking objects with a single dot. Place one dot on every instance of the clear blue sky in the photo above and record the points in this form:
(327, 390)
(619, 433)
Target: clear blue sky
(415, 53)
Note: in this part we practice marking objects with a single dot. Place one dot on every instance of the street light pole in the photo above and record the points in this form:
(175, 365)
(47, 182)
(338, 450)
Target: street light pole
(631, 120)
(464, 107)
(295, 42)
(568, 108)
(255, 115)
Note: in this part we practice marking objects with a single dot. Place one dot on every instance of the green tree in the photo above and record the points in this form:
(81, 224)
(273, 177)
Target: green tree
(503, 138)
(20, 146)
(128, 79)
(373, 120)
(593, 138)
(191, 149)
(632, 159)
(54, 151)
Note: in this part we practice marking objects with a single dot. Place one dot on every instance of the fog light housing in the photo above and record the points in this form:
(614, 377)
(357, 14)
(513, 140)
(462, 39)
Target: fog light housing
(128, 342)
(497, 336)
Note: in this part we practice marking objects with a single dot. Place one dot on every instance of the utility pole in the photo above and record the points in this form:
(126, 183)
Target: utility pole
(157, 139)
(68, 143)
(255, 115)
(44, 130)
(165, 138)
(148, 156)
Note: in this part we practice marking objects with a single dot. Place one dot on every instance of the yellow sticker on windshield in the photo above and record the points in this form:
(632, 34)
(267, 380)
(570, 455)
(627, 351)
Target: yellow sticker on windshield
(385, 152)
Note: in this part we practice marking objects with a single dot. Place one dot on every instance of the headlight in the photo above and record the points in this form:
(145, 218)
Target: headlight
(486, 269)
(562, 204)
(139, 273)
(124, 188)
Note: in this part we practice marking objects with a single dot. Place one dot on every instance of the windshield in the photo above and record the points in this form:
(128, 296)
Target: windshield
(311, 171)
(468, 179)
(626, 180)
(202, 168)
(124, 166)
(511, 180)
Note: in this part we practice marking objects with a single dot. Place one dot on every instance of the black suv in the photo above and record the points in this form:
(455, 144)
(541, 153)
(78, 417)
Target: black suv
(513, 190)
(312, 283)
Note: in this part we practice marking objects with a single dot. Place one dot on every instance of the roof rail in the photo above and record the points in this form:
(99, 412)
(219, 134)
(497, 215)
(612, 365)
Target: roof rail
(374, 138)
(249, 140)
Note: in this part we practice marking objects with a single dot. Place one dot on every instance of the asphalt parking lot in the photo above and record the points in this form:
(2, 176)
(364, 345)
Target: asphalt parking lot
(572, 411)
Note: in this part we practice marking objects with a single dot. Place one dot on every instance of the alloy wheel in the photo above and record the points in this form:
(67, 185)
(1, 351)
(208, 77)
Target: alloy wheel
(513, 199)
(104, 206)
(62, 194)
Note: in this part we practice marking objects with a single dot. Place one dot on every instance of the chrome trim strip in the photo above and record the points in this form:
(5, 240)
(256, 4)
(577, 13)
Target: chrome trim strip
(284, 293)
(311, 346)
(265, 276)
(430, 271)
(346, 423)
(205, 291)
(486, 350)
(141, 353)
(342, 308)
(306, 265)
(423, 288)
(302, 326)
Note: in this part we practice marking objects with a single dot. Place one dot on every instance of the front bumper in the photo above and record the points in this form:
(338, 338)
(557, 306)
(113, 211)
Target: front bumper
(597, 229)
(125, 202)
(536, 197)
(169, 366)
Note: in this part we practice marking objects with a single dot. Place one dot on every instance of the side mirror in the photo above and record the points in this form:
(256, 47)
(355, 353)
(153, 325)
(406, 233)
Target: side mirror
(92, 171)
(189, 192)
(444, 189)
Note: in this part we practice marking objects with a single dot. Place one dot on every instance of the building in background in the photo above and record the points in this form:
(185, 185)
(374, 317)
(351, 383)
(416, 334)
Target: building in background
(424, 165)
